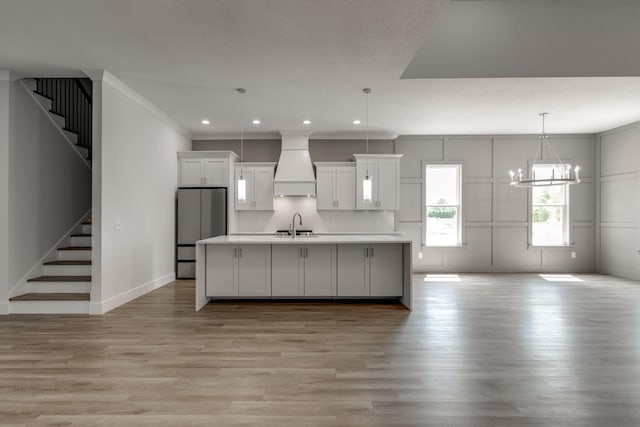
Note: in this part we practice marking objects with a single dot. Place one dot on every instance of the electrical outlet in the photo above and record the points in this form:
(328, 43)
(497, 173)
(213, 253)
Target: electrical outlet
(573, 254)
(420, 255)
(118, 226)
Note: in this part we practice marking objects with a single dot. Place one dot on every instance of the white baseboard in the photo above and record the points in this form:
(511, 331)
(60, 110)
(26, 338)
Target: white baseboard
(4, 308)
(38, 268)
(127, 296)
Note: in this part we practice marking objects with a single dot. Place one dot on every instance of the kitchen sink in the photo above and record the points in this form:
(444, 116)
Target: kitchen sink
(299, 233)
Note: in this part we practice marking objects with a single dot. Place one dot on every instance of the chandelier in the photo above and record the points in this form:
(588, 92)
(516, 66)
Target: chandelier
(555, 172)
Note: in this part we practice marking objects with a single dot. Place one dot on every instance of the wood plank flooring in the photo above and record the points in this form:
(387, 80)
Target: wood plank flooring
(490, 350)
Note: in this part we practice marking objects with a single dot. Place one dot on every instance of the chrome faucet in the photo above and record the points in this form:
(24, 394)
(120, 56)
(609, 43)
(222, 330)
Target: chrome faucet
(292, 230)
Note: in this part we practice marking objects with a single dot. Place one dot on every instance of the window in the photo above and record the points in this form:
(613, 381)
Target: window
(549, 211)
(442, 188)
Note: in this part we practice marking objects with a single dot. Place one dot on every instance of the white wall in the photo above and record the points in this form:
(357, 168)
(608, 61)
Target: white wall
(496, 218)
(137, 180)
(50, 185)
(5, 100)
(618, 188)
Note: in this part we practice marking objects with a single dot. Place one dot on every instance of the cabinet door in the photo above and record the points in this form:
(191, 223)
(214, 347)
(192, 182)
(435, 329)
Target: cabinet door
(247, 174)
(221, 280)
(215, 172)
(263, 188)
(287, 270)
(320, 270)
(254, 270)
(325, 189)
(361, 171)
(191, 170)
(353, 270)
(388, 184)
(345, 188)
(386, 274)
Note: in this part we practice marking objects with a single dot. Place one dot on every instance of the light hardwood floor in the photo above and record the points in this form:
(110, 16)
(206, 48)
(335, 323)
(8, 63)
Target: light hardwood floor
(491, 350)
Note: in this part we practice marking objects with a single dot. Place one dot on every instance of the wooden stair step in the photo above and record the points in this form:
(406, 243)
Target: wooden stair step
(42, 94)
(52, 297)
(58, 114)
(61, 279)
(75, 248)
(81, 235)
(70, 262)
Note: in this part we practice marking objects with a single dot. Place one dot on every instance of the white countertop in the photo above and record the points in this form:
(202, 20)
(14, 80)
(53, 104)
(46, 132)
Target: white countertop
(270, 239)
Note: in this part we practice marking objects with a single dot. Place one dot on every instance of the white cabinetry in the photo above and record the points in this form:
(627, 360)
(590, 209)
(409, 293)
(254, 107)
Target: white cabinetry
(384, 170)
(336, 186)
(303, 270)
(238, 270)
(259, 187)
(205, 168)
(370, 270)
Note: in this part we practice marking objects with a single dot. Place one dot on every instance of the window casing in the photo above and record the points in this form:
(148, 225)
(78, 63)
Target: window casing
(443, 210)
(549, 211)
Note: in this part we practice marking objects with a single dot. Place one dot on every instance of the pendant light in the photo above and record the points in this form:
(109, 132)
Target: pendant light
(367, 181)
(561, 173)
(242, 182)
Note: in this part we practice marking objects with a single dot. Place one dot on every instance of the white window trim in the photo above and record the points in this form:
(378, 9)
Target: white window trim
(461, 210)
(567, 226)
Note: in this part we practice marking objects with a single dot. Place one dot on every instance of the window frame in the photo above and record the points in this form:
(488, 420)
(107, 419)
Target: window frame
(566, 223)
(460, 218)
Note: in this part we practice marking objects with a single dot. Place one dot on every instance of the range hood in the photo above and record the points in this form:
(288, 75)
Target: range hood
(294, 173)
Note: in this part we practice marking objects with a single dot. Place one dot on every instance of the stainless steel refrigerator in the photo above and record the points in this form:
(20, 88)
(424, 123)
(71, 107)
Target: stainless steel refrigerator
(201, 213)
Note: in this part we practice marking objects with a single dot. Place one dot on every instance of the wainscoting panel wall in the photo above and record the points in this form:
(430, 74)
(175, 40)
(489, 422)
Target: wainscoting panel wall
(496, 218)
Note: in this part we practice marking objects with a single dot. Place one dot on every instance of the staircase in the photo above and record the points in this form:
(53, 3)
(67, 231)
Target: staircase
(65, 283)
(67, 102)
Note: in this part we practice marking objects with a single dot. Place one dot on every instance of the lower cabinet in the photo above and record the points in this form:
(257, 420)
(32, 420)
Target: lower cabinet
(370, 270)
(238, 270)
(303, 270)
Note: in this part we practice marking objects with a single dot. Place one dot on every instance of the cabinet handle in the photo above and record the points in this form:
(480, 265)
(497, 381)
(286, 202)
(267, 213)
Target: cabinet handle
(300, 254)
(306, 252)
(366, 252)
(240, 251)
(371, 252)
(235, 252)
(337, 203)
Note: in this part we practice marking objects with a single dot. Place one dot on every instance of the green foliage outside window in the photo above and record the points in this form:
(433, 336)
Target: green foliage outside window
(441, 212)
(541, 215)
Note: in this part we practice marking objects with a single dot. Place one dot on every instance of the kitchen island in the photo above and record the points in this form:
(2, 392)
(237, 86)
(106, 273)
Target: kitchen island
(340, 266)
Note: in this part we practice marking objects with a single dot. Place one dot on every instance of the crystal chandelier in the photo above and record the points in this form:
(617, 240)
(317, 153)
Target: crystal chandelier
(557, 172)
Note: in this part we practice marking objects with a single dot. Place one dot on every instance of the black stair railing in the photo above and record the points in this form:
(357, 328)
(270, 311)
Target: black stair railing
(71, 99)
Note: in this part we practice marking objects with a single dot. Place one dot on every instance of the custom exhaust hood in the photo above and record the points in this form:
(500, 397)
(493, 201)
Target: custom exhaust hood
(294, 173)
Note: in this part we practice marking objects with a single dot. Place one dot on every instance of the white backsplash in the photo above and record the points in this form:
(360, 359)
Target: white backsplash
(319, 222)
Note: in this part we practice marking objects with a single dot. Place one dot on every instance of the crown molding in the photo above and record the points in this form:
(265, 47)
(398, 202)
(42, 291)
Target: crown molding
(8, 75)
(129, 92)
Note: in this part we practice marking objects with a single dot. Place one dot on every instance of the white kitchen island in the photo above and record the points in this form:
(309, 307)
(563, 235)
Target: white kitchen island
(342, 266)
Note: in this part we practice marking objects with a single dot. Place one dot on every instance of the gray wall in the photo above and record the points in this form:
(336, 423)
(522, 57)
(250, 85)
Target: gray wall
(321, 150)
(495, 217)
(618, 189)
(49, 184)
(5, 102)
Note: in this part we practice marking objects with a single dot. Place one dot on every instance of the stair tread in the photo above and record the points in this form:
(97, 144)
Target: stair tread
(69, 262)
(61, 279)
(70, 130)
(42, 94)
(75, 248)
(81, 235)
(58, 114)
(52, 297)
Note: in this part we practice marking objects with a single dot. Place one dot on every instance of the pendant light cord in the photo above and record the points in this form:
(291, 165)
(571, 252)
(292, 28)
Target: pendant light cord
(241, 91)
(367, 91)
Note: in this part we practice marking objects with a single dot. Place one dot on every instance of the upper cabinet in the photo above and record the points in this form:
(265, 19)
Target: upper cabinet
(205, 168)
(336, 186)
(384, 171)
(258, 187)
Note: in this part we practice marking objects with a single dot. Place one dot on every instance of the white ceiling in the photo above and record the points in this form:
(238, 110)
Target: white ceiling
(298, 59)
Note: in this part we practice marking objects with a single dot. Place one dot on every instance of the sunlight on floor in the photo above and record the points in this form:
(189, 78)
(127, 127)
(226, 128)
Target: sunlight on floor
(441, 278)
(560, 278)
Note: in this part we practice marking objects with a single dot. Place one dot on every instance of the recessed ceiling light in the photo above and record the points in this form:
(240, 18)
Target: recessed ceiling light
(205, 122)
(306, 122)
(356, 122)
(256, 122)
